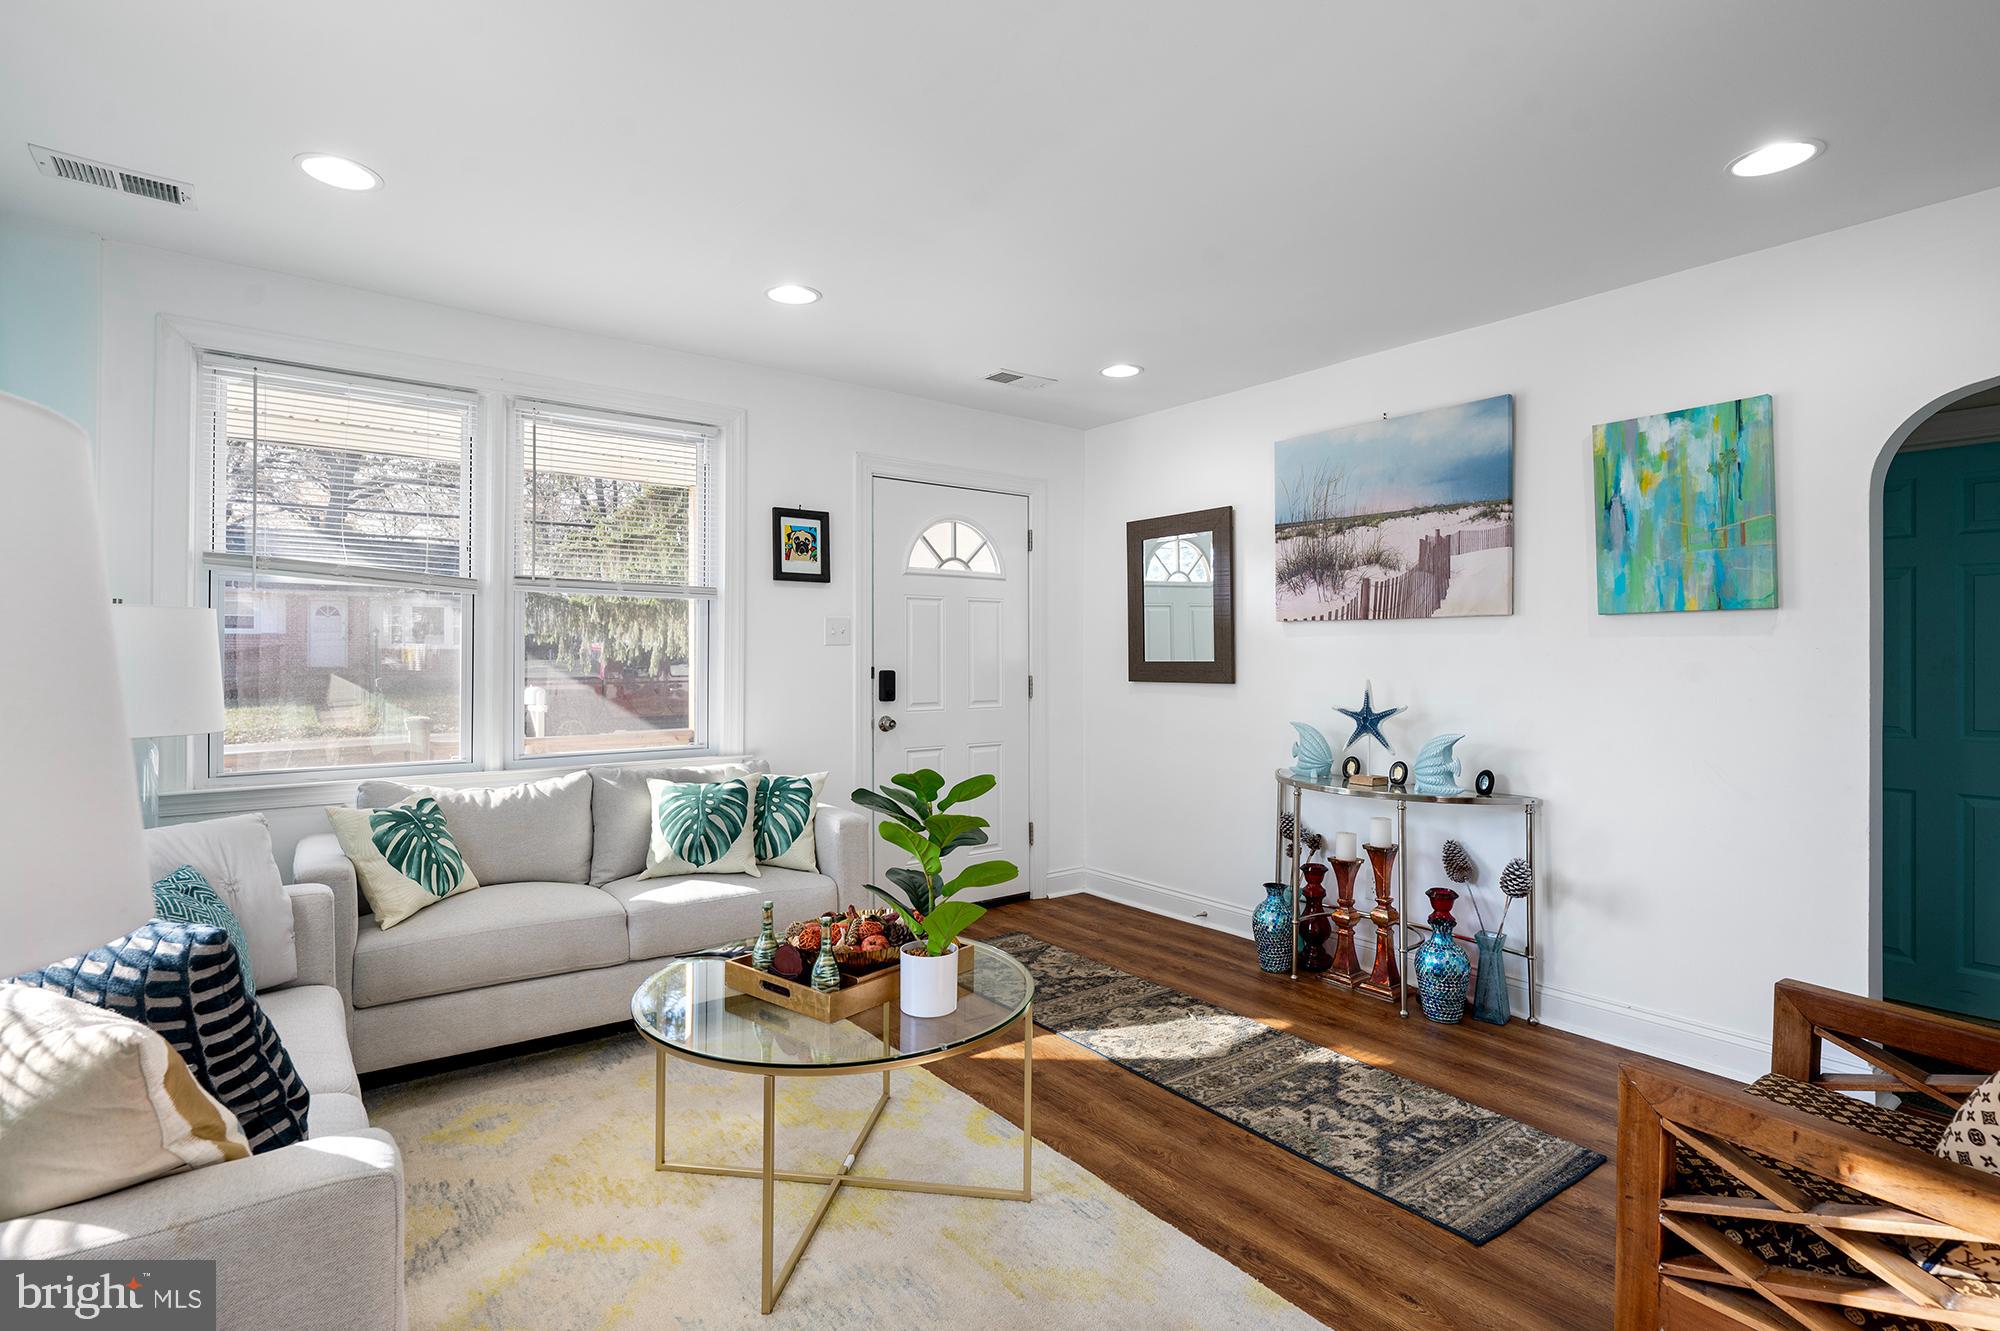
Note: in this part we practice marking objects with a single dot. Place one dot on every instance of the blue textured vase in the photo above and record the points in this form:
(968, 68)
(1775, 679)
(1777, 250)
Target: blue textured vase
(1443, 969)
(1271, 926)
(1490, 1001)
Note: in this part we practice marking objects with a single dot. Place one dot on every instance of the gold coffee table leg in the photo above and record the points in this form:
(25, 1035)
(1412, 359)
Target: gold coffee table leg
(772, 1283)
(1028, 1103)
(770, 1184)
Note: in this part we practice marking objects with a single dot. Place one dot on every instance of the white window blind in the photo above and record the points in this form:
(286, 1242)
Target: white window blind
(318, 472)
(615, 502)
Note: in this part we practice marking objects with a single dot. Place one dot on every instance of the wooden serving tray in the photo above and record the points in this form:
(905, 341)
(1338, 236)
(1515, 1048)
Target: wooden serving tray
(856, 994)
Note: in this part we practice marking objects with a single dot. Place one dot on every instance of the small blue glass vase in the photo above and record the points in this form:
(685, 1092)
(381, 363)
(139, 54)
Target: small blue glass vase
(1271, 926)
(1489, 998)
(1443, 969)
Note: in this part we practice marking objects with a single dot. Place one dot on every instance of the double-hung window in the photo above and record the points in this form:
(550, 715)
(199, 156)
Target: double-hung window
(614, 580)
(340, 558)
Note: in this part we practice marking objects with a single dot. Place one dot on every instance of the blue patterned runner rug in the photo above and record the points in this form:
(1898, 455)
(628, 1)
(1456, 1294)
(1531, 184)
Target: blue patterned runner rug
(1461, 1167)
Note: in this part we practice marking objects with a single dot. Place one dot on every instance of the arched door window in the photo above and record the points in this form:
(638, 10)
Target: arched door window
(951, 546)
(1179, 560)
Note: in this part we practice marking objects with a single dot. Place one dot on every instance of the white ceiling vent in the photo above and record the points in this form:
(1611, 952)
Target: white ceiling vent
(84, 171)
(1016, 379)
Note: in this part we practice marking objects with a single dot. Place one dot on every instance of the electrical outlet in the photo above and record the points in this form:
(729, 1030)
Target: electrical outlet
(839, 632)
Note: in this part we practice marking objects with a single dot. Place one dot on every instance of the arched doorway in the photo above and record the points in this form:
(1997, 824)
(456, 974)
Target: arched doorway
(1938, 686)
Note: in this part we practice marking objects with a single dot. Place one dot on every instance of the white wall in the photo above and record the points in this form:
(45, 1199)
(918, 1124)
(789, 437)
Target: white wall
(1707, 776)
(804, 435)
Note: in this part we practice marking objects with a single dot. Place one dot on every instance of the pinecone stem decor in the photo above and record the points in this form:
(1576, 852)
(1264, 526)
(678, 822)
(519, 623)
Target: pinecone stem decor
(1458, 867)
(1516, 881)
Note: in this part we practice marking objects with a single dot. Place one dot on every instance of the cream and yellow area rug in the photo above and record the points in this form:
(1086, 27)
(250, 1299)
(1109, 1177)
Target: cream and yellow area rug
(533, 1204)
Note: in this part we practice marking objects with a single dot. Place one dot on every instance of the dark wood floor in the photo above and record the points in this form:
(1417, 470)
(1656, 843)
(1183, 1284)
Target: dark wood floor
(1356, 1262)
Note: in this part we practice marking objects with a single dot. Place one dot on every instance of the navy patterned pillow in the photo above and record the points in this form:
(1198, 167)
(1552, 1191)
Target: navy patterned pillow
(183, 980)
(185, 897)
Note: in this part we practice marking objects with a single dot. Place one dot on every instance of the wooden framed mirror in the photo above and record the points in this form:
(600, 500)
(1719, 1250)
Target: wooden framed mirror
(1179, 598)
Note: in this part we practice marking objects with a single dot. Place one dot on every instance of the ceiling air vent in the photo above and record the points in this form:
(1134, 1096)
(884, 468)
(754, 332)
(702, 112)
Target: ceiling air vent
(84, 171)
(1017, 379)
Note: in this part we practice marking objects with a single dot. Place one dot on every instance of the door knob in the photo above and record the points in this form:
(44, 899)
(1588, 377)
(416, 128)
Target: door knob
(886, 724)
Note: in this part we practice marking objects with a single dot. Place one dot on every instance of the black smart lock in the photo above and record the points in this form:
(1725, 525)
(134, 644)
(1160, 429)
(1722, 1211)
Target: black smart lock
(885, 686)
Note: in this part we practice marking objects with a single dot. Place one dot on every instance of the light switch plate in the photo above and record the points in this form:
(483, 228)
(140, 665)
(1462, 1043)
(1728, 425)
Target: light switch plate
(839, 632)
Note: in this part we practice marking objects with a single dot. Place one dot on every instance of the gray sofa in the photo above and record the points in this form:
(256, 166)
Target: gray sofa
(308, 1237)
(562, 928)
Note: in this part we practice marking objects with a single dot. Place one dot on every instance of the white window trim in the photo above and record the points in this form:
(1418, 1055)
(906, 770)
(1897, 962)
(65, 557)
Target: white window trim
(701, 711)
(180, 537)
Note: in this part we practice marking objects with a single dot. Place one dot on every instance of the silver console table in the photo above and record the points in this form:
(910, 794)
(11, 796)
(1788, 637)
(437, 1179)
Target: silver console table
(1291, 798)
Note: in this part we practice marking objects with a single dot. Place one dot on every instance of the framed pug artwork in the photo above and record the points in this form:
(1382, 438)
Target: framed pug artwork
(798, 545)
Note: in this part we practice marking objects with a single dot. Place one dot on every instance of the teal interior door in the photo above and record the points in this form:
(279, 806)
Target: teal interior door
(1941, 729)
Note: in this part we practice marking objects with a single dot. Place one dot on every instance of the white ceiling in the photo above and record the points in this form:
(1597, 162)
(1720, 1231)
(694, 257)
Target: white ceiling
(1225, 193)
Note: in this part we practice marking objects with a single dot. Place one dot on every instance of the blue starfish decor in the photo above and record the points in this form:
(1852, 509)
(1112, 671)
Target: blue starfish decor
(1367, 721)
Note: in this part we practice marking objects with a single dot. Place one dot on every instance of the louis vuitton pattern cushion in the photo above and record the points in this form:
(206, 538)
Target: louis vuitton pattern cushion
(1794, 1245)
(1972, 1139)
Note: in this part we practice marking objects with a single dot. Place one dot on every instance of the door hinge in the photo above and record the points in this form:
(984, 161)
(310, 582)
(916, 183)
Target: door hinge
(1031, 686)
(1031, 540)
(1031, 834)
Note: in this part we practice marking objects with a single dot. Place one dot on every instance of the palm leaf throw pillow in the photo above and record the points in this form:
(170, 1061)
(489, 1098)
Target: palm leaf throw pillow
(785, 807)
(404, 857)
(703, 827)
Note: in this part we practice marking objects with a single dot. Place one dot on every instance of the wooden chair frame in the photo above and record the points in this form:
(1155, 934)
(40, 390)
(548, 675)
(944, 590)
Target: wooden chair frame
(1675, 1266)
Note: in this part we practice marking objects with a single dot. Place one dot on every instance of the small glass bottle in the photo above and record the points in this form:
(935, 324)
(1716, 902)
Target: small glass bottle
(826, 971)
(767, 944)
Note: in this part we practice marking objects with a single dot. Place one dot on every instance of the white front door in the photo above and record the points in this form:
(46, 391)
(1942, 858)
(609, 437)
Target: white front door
(951, 622)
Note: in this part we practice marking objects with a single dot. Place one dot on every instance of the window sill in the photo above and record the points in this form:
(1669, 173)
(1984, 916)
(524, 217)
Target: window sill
(220, 800)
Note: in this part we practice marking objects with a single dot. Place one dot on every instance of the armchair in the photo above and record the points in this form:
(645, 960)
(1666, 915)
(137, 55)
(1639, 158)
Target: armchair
(1832, 1201)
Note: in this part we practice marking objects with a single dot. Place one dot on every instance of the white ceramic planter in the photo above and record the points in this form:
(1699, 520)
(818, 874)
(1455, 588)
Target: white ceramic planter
(929, 984)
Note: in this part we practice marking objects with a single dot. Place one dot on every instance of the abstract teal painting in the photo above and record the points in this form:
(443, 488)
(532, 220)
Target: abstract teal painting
(1687, 510)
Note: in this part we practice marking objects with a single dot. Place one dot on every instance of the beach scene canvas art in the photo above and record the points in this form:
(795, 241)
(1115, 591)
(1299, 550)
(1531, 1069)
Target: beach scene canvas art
(1687, 510)
(1411, 517)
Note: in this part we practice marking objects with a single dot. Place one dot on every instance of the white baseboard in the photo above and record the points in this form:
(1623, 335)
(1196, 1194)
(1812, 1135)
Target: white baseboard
(1679, 1039)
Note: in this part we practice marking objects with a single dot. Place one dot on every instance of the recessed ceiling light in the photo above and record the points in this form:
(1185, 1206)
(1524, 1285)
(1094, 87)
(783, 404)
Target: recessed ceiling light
(1775, 157)
(338, 172)
(791, 293)
(1121, 371)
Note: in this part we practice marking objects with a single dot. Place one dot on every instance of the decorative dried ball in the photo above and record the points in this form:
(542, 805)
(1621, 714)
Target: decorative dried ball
(808, 939)
(1517, 879)
(1458, 865)
(871, 928)
(788, 961)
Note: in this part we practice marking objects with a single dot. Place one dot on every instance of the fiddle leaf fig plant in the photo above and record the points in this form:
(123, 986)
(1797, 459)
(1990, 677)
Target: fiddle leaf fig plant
(913, 806)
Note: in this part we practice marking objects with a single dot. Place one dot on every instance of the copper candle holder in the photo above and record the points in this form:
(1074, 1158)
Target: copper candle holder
(1386, 977)
(1346, 962)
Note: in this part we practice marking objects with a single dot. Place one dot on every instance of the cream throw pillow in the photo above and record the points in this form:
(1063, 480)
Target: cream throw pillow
(785, 806)
(404, 857)
(91, 1102)
(703, 827)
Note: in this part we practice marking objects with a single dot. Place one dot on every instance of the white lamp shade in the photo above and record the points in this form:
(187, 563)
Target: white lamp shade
(170, 662)
(69, 808)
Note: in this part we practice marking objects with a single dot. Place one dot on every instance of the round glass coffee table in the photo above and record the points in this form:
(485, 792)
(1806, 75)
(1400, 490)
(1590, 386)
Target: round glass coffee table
(688, 1011)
